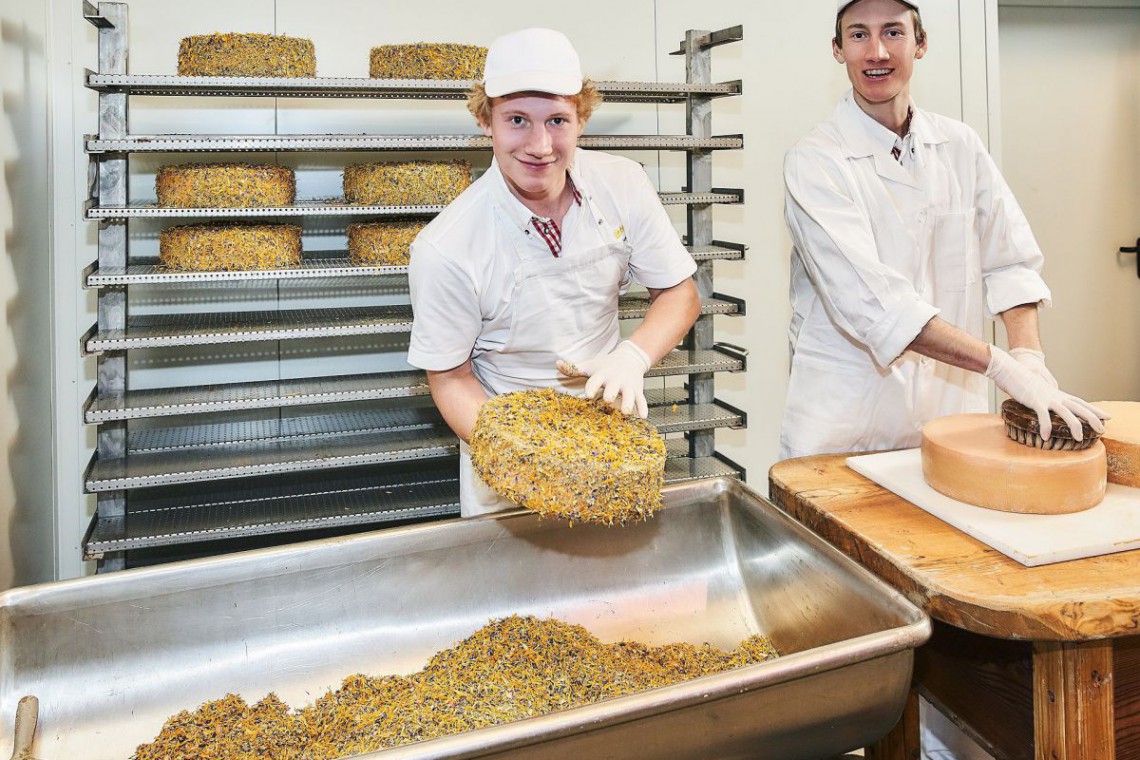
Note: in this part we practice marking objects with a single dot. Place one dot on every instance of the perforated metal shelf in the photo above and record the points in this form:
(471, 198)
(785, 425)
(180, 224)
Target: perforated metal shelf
(171, 456)
(247, 326)
(314, 207)
(156, 274)
(225, 450)
(283, 504)
(339, 499)
(339, 207)
(718, 250)
(686, 362)
(240, 327)
(232, 397)
(634, 305)
(677, 415)
(152, 273)
(687, 469)
(353, 87)
(241, 143)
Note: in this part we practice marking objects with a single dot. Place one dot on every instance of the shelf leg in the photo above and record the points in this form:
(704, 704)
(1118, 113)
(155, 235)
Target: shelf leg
(113, 172)
(698, 122)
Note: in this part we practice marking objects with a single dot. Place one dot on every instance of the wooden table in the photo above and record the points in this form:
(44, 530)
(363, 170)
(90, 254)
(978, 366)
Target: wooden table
(1033, 662)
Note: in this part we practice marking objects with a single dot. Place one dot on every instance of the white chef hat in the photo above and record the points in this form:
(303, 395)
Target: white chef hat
(841, 5)
(532, 60)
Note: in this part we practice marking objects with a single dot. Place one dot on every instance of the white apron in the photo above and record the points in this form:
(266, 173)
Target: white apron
(562, 307)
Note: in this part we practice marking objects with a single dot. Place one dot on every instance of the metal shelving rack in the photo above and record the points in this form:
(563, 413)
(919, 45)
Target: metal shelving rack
(174, 467)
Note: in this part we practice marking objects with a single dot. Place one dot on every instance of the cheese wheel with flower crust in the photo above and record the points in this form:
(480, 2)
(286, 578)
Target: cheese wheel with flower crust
(225, 186)
(246, 55)
(569, 457)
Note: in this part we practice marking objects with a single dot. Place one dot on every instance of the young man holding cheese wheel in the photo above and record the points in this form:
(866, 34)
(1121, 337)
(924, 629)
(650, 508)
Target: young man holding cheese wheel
(525, 267)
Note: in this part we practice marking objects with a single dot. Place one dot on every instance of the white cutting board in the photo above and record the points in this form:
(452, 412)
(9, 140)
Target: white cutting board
(1111, 526)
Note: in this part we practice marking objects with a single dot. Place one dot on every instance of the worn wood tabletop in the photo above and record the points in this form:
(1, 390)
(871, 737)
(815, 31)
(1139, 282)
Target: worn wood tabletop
(951, 575)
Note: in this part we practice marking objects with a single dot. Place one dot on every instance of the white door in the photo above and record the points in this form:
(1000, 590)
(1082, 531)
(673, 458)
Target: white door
(1070, 123)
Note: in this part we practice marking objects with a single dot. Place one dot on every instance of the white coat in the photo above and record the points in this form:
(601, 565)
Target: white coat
(484, 288)
(879, 249)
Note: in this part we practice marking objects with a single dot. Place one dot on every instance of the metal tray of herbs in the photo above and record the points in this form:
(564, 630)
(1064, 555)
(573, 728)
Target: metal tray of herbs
(111, 657)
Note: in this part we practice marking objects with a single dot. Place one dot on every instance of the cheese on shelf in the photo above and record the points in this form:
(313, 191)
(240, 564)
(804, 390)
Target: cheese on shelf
(230, 247)
(225, 186)
(246, 55)
(406, 183)
(427, 60)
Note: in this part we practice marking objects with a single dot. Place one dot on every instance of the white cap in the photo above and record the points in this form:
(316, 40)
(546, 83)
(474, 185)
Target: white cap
(842, 5)
(532, 60)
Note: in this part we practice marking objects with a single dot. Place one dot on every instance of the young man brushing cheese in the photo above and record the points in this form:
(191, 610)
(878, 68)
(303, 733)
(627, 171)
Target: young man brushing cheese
(906, 239)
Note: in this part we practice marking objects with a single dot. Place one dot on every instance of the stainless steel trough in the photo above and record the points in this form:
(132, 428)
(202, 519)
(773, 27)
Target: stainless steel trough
(111, 657)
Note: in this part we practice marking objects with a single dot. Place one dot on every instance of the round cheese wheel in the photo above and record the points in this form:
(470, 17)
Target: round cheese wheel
(1122, 440)
(569, 457)
(969, 458)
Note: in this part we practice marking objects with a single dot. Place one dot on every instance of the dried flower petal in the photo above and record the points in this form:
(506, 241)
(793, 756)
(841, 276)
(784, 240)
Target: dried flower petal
(510, 669)
(225, 186)
(423, 60)
(406, 183)
(246, 55)
(230, 247)
(373, 244)
(569, 457)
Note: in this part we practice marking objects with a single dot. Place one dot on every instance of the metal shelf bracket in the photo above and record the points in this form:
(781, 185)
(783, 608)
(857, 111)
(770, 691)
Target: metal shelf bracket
(94, 15)
(709, 40)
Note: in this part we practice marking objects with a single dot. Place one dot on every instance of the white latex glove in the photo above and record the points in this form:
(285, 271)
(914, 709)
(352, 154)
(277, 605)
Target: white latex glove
(1029, 388)
(621, 372)
(1034, 361)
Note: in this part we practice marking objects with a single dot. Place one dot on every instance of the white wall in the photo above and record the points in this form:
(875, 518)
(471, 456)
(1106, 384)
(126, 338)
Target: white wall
(26, 414)
(1082, 201)
(790, 83)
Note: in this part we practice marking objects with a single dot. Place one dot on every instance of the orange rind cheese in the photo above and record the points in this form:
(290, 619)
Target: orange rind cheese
(1122, 440)
(969, 458)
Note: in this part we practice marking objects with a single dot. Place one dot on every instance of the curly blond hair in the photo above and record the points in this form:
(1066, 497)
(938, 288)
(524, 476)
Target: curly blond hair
(584, 102)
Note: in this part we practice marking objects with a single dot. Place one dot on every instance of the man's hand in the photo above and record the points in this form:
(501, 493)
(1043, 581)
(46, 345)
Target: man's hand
(1030, 388)
(1034, 361)
(621, 372)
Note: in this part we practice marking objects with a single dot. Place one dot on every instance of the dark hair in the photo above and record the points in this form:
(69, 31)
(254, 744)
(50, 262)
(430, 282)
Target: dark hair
(919, 31)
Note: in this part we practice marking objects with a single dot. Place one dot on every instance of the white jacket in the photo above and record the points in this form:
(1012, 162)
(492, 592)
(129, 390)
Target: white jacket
(879, 249)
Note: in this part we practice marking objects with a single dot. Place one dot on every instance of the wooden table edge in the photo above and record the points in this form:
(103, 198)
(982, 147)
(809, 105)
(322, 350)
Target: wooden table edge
(1092, 616)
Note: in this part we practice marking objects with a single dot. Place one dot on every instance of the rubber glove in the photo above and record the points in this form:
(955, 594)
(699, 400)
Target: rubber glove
(1034, 361)
(1029, 388)
(621, 372)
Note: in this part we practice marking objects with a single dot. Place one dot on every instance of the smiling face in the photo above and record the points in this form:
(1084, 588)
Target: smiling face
(533, 137)
(878, 44)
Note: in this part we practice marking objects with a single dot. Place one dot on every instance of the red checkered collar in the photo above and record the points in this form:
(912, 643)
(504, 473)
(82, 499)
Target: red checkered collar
(518, 213)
